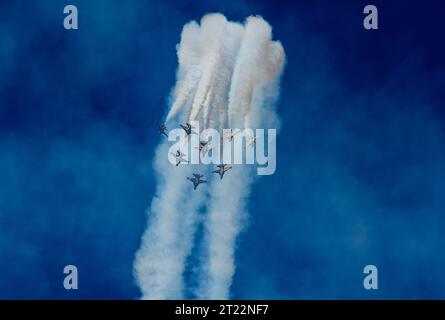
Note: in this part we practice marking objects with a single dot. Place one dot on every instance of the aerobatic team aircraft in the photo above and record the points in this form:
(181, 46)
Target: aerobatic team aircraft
(188, 128)
(222, 168)
(179, 157)
(196, 180)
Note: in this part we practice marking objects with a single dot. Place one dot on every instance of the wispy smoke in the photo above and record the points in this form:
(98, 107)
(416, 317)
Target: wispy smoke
(168, 239)
(228, 77)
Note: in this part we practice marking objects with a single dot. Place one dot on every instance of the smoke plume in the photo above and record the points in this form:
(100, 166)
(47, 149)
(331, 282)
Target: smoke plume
(228, 77)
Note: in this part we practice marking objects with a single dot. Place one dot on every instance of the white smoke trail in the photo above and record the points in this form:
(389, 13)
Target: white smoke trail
(228, 75)
(189, 73)
(213, 33)
(160, 261)
(235, 33)
(258, 62)
(226, 212)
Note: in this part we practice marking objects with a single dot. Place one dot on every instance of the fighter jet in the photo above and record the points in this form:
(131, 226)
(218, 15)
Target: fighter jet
(204, 147)
(222, 168)
(196, 180)
(231, 134)
(188, 128)
(162, 129)
(250, 141)
(179, 157)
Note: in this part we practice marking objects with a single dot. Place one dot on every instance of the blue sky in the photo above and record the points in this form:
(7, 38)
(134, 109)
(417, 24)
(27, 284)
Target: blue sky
(360, 156)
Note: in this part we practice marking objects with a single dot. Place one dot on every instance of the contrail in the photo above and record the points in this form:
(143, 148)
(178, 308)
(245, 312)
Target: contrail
(228, 77)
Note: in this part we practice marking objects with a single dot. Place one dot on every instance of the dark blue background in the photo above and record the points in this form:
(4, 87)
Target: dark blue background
(360, 176)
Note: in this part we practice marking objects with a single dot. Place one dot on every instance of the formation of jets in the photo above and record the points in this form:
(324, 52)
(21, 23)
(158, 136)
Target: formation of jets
(204, 148)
